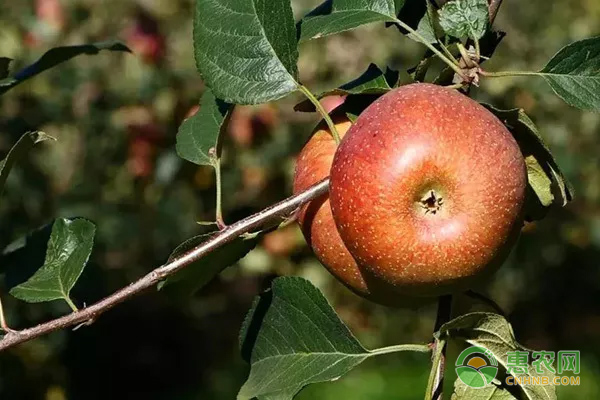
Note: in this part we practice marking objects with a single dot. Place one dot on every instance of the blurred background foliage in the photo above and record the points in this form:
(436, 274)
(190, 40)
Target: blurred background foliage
(116, 116)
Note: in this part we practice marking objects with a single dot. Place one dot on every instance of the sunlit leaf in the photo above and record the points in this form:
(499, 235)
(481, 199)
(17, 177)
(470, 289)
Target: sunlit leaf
(67, 253)
(198, 136)
(246, 50)
(574, 74)
(465, 18)
(335, 16)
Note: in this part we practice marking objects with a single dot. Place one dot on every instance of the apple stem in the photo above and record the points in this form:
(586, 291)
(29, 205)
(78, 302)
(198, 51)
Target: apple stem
(321, 111)
(435, 387)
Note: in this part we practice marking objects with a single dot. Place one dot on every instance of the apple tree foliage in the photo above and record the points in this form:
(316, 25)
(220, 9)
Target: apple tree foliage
(247, 52)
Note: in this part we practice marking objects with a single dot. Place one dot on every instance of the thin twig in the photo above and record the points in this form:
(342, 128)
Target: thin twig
(91, 313)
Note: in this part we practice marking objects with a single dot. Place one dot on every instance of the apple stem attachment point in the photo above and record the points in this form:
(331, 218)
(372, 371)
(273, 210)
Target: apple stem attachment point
(431, 202)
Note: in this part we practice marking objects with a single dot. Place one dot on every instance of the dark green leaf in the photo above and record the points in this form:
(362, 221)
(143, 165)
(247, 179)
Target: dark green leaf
(429, 26)
(246, 50)
(546, 181)
(4, 67)
(56, 56)
(494, 333)
(372, 81)
(292, 338)
(338, 16)
(68, 251)
(574, 74)
(23, 145)
(398, 5)
(465, 18)
(196, 275)
(198, 136)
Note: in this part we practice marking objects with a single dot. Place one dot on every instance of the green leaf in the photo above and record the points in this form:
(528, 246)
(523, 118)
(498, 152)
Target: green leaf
(490, 392)
(295, 338)
(23, 145)
(198, 138)
(196, 275)
(68, 251)
(337, 16)
(546, 182)
(4, 67)
(57, 56)
(574, 74)
(292, 337)
(465, 18)
(398, 5)
(372, 81)
(246, 50)
(429, 26)
(494, 333)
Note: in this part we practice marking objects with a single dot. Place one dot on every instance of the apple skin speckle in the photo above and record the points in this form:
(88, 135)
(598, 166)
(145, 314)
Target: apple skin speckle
(415, 140)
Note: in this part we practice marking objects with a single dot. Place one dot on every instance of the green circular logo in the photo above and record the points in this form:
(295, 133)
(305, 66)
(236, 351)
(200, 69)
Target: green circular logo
(476, 367)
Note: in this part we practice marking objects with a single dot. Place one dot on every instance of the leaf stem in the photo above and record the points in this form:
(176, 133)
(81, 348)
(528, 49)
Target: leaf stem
(510, 73)
(437, 365)
(421, 348)
(321, 111)
(3, 325)
(71, 304)
(431, 47)
(219, 201)
(448, 53)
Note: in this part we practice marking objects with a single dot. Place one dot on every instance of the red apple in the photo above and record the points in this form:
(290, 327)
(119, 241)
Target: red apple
(316, 220)
(427, 191)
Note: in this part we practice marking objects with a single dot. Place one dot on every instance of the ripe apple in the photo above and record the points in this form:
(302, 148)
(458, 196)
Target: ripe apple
(316, 220)
(427, 191)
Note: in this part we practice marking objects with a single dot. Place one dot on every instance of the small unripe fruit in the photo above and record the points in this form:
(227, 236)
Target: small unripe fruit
(316, 221)
(427, 190)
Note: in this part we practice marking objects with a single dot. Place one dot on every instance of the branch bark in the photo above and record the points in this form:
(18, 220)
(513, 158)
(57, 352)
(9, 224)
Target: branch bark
(89, 314)
(494, 7)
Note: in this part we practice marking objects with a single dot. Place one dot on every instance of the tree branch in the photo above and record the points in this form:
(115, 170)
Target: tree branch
(87, 315)
(494, 7)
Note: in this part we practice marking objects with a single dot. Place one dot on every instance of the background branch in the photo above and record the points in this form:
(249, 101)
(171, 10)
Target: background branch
(494, 7)
(89, 314)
